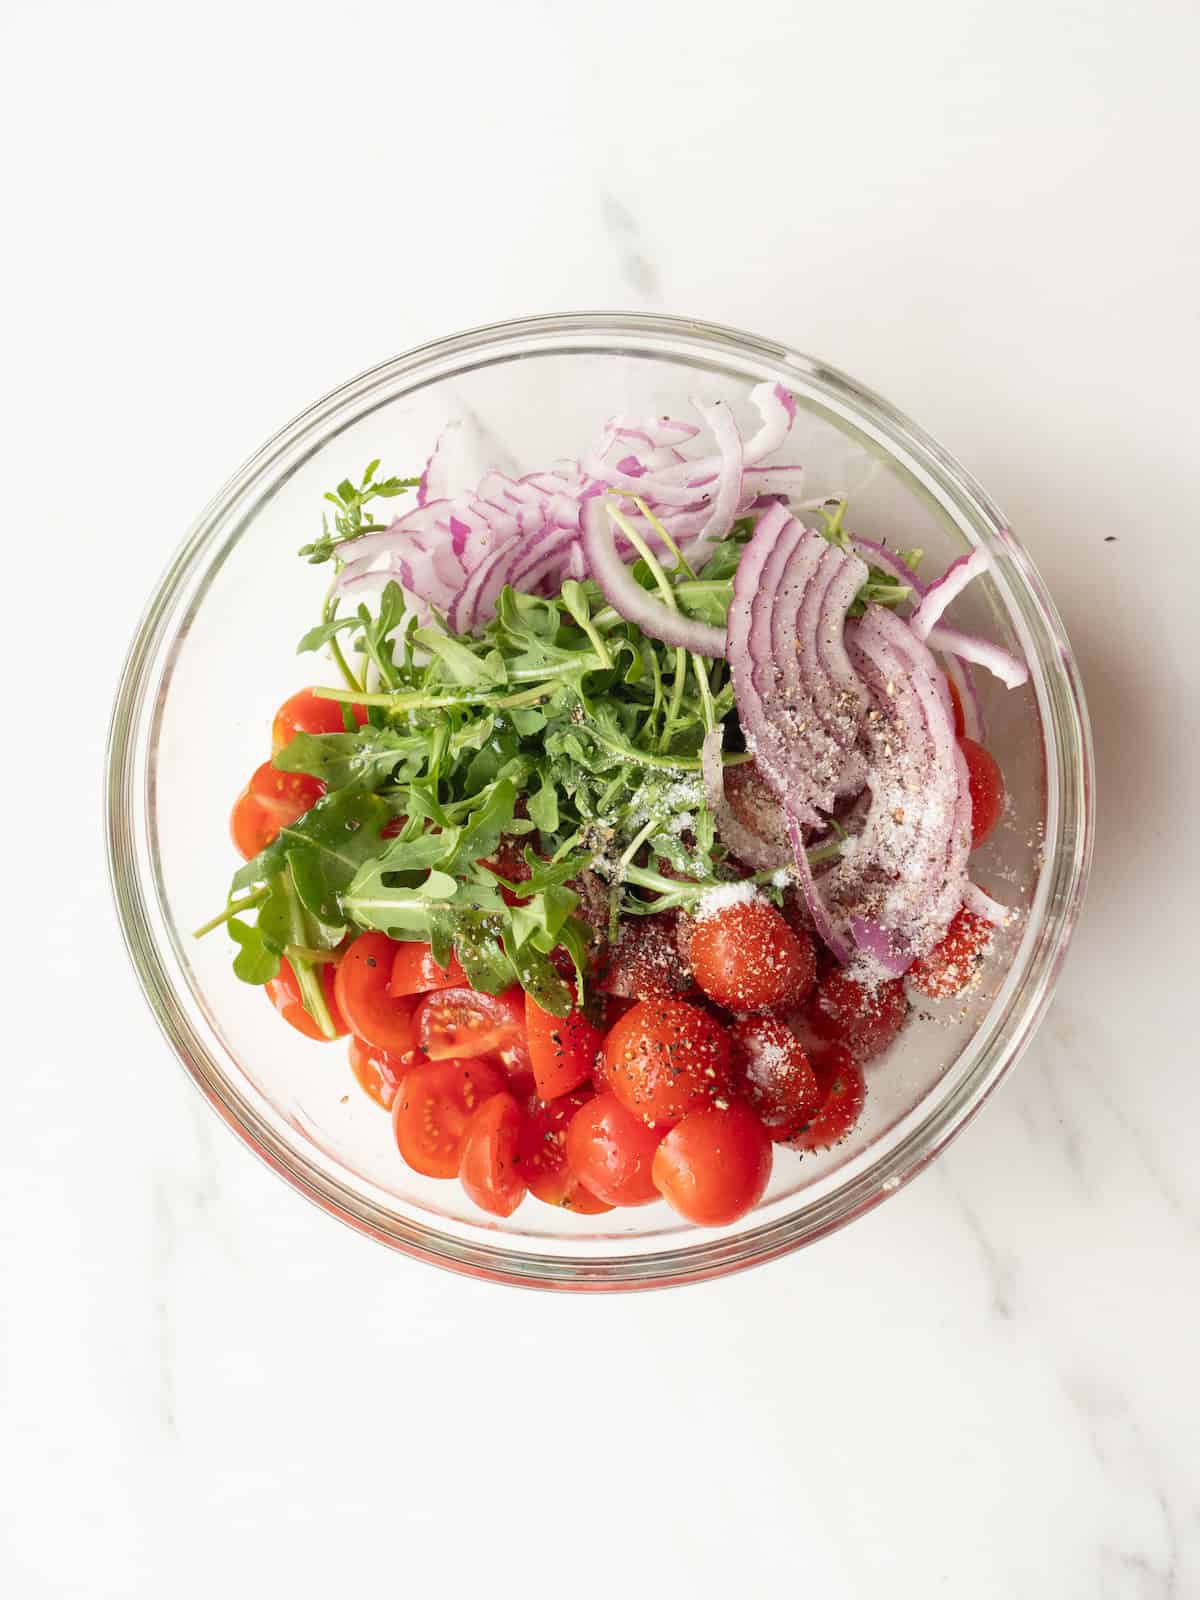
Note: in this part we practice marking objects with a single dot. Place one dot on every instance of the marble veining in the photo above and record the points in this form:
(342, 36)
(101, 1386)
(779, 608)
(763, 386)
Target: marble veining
(636, 263)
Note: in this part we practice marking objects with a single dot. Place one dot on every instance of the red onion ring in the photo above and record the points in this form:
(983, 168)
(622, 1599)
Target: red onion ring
(943, 590)
(633, 602)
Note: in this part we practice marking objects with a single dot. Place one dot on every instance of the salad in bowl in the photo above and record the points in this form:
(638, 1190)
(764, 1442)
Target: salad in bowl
(656, 851)
(636, 833)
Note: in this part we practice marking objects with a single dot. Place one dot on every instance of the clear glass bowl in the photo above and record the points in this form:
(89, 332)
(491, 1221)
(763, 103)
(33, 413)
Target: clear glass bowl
(216, 653)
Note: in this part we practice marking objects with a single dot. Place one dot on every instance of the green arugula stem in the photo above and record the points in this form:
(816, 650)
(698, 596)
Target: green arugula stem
(609, 617)
(706, 699)
(643, 549)
(644, 758)
(678, 682)
(246, 903)
(576, 604)
(297, 952)
(528, 697)
(328, 612)
(680, 559)
(312, 990)
(636, 844)
(667, 590)
(416, 701)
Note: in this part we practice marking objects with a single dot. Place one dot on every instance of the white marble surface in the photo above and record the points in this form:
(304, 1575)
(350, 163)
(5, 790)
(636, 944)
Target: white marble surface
(988, 1387)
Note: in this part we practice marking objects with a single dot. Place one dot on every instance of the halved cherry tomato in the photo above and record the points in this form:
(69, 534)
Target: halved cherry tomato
(562, 1050)
(433, 1107)
(665, 1058)
(379, 1071)
(488, 1168)
(414, 970)
(953, 962)
(463, 1022)
(272, 800)
(284, 994)
(987, 790)
(362, 991)
(777, 1079)
(542, 1155)
(843, 1093)
(746, 957)
(865, 1020)
(305, 712)
(715, 1166)
(645, 961)
(611, 1151)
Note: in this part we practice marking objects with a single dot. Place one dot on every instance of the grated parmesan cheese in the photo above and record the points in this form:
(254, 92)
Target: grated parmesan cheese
(713, 901)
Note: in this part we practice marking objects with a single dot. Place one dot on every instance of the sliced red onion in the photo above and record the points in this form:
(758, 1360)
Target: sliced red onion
(783, 480)
(457, 554)
(831, 936)
(943, 590)
(969, 647)
(657, 488)
(878, 555)
(797, 695)
(963, 679)
(957, 669)
(982, 905)
(777, 408)
(882, 945)
(729, 479)
(488, 576)
(633, 602)
(897, 884)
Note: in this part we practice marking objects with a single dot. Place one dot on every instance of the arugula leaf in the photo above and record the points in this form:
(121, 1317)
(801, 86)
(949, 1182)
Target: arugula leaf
(350, 505)
(367, 758)
(723, 562)
(255, 961)
(462, 663)
(323, 850)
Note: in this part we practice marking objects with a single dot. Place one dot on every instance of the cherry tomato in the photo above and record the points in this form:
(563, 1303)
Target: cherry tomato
(645, 961)
(434, 1105)
(362, 993)
(953, 962)
(746, 957)
(305, 712)
(272, 800)
(462, 1022)
(284, 994)
(715, 1166)
(665, 1058)
(563, 1050)
(960, 722)
(987, 790)
(414, 970)
(611, 1152)
(865, 1020)
(379, 1071)
(777, 1080)
(488, 1167)
(843, 1093)
(542, 1155)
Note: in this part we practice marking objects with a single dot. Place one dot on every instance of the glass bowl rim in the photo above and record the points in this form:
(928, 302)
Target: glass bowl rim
(1070, 774)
